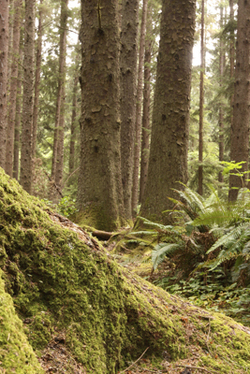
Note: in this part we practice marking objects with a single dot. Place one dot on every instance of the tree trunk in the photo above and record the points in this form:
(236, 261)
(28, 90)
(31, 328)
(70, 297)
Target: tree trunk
(128, 65)
(146, 107)
(15, 60)
(57, 161)
(100, 196)
(241, 112)
(4, 33)
(201, 113)
(170, 124)
(18, 117)
(221, 111)
(73, 129)
(28, 85)
(232, 58)
(138, 124)
(37, 77)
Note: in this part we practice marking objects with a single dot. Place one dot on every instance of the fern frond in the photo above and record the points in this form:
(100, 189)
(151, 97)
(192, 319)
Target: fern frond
(161, 250)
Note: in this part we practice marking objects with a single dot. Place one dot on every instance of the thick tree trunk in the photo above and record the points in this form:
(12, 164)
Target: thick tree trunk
(170, 124)
(37, 78)
(138, 124)
(241, 111)
(146, 126)
(15, 60)
(28, 85)
(201, 114)
(73, 129)
(128, 65)
(57, 160)
(4, 33)
(100, 196)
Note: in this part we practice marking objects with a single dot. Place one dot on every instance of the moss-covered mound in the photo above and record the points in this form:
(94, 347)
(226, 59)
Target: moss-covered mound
(16, 354)
(66, 288)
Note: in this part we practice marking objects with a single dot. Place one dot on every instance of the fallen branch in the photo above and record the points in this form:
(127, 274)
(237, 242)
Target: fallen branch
(102, 235)
(138, 359)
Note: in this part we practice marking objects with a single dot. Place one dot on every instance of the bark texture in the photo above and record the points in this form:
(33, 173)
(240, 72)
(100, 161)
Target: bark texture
(128, 65)
(138, 117)
(201, 114)
(73, 129)
(241, 112)
(170, 124)
(100, 194)
(4, 30)
(146, 125)
(18, 117)
(37, 77)
(15, 60)
(28, 85)
(221, 109)
(57, 160)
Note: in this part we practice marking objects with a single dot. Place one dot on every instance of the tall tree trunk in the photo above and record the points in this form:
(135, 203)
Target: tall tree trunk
(128, 65)
(57, 160)
(37, 77)
(201, 114)
(232, 57)
(241, 111)
(100, 196)
(15, 59)
(18, 116)
(73, 129)
(221, 112)
(4, 33)
(170, 124)
(146, 106)
(138, 124)
(28, 85)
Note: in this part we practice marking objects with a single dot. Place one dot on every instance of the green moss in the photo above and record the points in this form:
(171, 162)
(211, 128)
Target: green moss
(16, 354)
(95, 216)
(107, 315)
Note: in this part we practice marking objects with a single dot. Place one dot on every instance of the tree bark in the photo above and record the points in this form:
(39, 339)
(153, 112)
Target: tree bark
(128, 65)
(201, 113)
(37, 77)
(241, 112)
(100, 196)
(15, 60)
(73, 129)
(170, 124)
(138, 124)
(221, 111)
(18, 117)
(57, 160)
(28, 85)
(146, 126)
(4, 34)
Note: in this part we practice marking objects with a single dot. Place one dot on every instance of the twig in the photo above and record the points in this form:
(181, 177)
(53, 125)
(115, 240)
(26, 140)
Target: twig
(196, 367)
(138, 359)
(71, 175)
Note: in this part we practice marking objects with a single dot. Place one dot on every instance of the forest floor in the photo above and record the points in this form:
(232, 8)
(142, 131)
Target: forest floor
(55, 357)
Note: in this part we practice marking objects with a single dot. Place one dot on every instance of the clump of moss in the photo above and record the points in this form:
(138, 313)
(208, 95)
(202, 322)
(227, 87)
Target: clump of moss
(107, 315)
(16, 354)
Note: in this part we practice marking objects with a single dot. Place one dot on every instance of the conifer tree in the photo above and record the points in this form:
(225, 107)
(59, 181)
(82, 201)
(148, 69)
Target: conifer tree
(28, 86)
(15, 60)
(100, 195)
(4, 34)
(128, 65)
(169, 142)
(241, 111)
